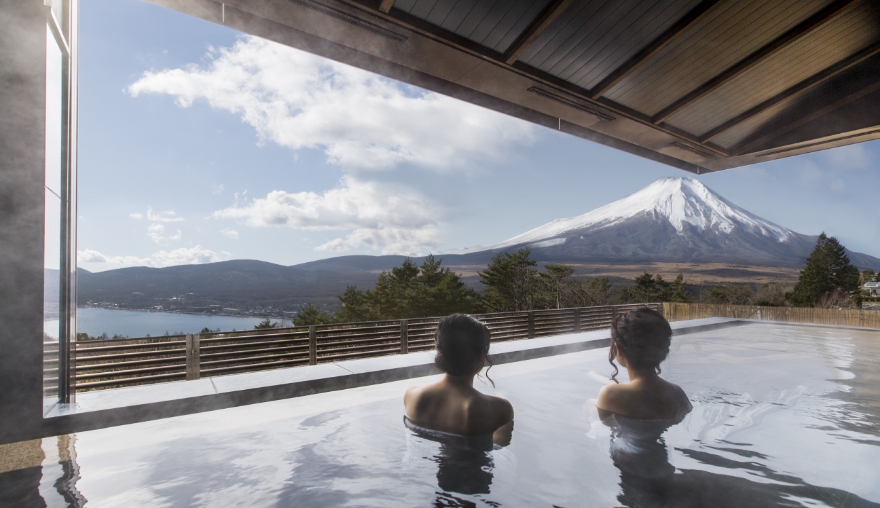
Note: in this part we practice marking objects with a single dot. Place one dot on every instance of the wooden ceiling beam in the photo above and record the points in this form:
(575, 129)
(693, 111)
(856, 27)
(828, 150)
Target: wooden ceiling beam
(775, 133)
(386, 6)
(636, 61)
(794, 91)
(528, 37)
(812, 23)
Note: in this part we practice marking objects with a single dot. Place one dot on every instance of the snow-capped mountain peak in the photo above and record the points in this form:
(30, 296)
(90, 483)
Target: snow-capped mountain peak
(685, 203)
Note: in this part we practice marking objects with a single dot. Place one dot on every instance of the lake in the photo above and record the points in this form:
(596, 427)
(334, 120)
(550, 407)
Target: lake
(139, 324)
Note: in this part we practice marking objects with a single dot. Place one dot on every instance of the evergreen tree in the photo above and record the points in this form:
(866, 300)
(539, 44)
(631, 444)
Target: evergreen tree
(677, 291)
(828, 268)
(440, 291)
(731, 294)
(647, 288)
(356, 305)
(265, 324)
(511, 281)
(557, 285)
(310, 315)
(409, 291)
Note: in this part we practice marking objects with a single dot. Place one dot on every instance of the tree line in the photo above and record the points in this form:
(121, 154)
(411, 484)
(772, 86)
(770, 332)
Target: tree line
(514, 282)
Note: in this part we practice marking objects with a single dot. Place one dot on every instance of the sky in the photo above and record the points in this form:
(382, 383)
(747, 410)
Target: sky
(198, 144)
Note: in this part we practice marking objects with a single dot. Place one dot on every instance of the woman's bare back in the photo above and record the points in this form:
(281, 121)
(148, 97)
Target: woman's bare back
(645, 399)
(456, 409)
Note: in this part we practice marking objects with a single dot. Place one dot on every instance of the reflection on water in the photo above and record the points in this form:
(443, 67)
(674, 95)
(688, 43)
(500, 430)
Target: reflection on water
(782, 416)
(465, 465)
(40, 473)
(638, 449)
(648, 480)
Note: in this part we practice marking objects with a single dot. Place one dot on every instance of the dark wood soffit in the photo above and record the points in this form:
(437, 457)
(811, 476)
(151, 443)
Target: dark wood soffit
(750, 146)
(793, 35)
(681, 26)
(796, 90)
(412, 23)
(528, 37)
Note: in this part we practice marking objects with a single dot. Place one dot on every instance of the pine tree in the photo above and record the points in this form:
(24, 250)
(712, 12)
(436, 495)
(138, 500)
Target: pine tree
(265, 324)
(677, 291)
(511, 282)
(310, 315)
(828, 268)
(557, 283)
(409, 291)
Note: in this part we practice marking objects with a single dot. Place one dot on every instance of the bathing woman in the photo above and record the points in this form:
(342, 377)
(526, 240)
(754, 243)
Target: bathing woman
(640, 342)
(452, 405)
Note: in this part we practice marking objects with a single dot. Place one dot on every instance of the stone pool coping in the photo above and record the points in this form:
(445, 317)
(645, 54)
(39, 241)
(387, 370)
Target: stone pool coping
(121, 406)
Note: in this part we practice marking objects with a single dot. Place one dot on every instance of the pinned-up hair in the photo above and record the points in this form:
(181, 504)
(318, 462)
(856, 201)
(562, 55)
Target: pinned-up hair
(461, 341)
(643, 336)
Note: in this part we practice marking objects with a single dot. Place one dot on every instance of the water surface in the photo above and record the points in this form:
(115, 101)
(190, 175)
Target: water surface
(140, 324)
(783, 416)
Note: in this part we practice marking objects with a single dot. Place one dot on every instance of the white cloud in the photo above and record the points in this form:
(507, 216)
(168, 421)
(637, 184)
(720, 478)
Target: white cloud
(217, 188)
(166, 216)
(182, 256)
(156, 232)
(391, 220)
(136, 216)
(229, 233)
(93, 256)
(387, 240)
(848, 157)
(359, 119)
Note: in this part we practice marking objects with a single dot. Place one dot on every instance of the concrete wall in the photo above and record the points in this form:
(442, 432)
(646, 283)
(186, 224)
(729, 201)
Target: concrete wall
(22, 125)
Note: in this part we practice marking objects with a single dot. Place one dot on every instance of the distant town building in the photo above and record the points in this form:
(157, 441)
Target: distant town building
(231, 312)
(873, 288)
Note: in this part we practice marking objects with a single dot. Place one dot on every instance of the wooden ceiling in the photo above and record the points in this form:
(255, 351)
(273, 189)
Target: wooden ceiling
(702, 85)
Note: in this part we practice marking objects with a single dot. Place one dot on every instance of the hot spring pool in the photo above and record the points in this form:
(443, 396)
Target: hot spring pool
(783, 416)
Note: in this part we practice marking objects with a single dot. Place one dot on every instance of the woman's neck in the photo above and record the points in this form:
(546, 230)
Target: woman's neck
(641, 374)
(465, 381)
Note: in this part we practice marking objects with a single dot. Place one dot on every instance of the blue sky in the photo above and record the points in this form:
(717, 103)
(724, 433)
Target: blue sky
(198, 144)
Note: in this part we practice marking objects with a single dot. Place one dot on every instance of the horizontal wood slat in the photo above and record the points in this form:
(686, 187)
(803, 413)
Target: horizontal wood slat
(840, 317)
(127, 362)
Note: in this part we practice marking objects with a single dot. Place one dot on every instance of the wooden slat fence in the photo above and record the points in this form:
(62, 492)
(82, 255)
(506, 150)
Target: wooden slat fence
(840, 317)
(117, 363)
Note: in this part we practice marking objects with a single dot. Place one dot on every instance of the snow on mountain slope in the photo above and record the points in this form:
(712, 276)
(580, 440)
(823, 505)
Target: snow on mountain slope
(679, 201)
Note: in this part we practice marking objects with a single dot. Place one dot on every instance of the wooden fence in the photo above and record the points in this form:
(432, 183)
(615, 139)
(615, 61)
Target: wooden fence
(117, 363)
(841, 317)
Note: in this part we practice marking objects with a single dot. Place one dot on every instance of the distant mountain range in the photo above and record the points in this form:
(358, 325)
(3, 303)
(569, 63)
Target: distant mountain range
(673, 220)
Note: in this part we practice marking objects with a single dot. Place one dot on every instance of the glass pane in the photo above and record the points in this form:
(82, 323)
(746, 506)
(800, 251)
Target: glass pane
(53, 114)
(52, 225)
(51, 298)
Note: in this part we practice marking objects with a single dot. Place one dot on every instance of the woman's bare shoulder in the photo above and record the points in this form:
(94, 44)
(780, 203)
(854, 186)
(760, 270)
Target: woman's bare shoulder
(682, 399)
(491, 408)
(610, 396)
(503, 407)
(411, 393)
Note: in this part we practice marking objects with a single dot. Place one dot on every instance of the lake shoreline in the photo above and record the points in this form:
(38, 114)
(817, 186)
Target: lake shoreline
(97, 321)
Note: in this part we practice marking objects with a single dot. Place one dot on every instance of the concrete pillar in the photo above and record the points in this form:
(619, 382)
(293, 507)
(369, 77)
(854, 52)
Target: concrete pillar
(22, 196)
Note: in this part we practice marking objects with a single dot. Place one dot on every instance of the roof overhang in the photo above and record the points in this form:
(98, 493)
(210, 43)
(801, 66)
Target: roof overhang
(699, 85)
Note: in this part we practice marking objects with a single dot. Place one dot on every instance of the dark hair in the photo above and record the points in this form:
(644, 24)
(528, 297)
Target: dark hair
(643, 336)
(461, 341)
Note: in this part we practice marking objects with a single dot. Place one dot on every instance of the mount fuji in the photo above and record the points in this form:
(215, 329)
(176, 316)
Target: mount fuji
(670, 220)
